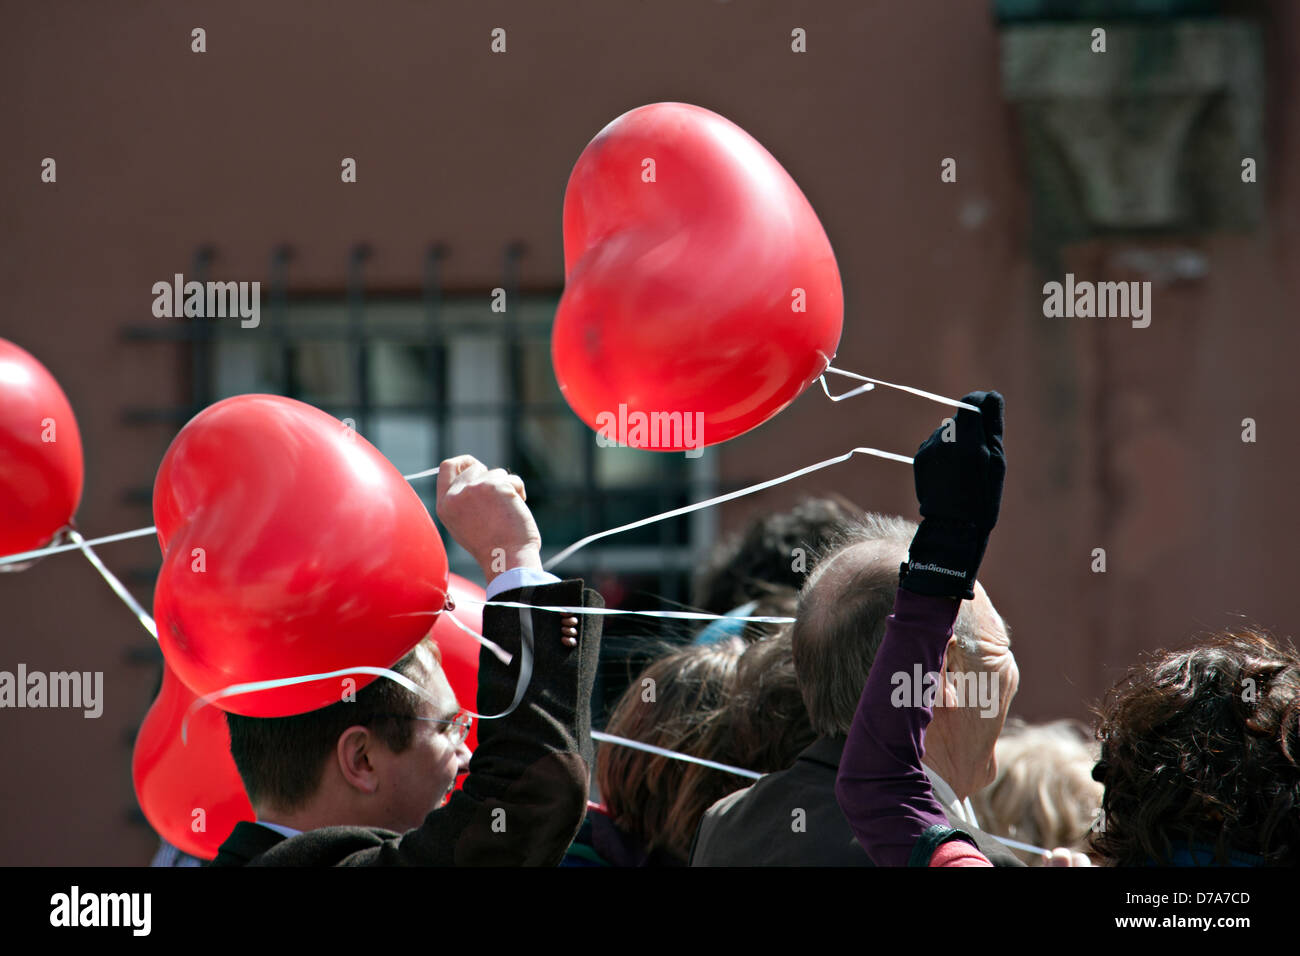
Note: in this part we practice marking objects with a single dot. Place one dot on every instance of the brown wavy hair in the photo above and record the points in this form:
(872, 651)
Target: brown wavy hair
(763, 727)
(767, 724)
(1199, 747)
(673, 704)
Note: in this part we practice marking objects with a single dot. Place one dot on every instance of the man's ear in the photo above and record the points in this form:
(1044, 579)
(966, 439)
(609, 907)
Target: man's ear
(353, 757)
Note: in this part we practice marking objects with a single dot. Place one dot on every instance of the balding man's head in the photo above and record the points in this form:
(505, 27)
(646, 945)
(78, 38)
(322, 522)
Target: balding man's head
(841, 617)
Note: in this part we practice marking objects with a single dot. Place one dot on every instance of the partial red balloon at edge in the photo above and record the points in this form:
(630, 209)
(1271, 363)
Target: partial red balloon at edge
(41, 467)
(190, 792)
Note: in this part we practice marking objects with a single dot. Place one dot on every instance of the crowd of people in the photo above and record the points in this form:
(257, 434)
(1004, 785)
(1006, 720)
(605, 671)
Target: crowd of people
(878, 719)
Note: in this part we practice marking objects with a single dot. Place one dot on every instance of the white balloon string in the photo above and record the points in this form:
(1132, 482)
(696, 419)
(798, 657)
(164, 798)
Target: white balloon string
(721, 498)
(137, 533)
(254, 687)
(675, 615)
(1016, 844)
(501, 654)
(672, 754)
(119, 589)
(56, 549)
(849, 394)
(902, 388)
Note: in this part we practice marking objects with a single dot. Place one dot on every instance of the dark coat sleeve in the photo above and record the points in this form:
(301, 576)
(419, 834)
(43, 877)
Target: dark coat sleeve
(882, 786)
(526, 792)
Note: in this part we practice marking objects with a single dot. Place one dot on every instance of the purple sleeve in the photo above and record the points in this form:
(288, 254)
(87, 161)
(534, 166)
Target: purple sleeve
(882, 788)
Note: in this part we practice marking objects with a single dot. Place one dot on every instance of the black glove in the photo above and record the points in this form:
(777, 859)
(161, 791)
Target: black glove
(959, 487)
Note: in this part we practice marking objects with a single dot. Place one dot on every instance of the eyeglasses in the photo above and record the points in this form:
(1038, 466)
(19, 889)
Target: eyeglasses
(457, 728)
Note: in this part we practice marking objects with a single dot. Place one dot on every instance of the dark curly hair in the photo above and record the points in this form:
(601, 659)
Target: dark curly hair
(1199, 750)
(761, 559)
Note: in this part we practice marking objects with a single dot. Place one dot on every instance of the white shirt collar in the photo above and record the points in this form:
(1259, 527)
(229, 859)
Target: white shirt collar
(960, 810)
(285, 831)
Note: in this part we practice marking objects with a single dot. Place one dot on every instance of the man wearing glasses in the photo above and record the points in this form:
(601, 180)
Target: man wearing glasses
(363, 782)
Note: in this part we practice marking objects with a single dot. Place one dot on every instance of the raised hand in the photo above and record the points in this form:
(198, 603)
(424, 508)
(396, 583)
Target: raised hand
(959, 472)
(484, 511)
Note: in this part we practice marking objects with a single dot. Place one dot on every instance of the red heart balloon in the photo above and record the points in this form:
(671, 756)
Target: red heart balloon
(460, 650)
(174, 781)
(699, 281)
(291, 546)
(41, 468)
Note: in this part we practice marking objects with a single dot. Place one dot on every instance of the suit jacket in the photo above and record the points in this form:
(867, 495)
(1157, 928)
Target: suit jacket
(534, 764)
(757, 826)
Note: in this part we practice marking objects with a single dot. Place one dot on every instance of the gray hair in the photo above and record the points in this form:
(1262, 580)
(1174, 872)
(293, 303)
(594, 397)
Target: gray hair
(840, 619)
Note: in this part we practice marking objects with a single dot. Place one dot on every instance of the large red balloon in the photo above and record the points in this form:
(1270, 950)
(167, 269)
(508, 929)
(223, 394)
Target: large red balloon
(174, 780)
(460, 650)
(699, 280)
(40, 453)
(291, 546)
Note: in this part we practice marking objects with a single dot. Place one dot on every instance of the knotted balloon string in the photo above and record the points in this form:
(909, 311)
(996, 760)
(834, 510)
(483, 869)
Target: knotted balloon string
(501, 654)
(875, 381)
(709, 503)
(849, 394)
